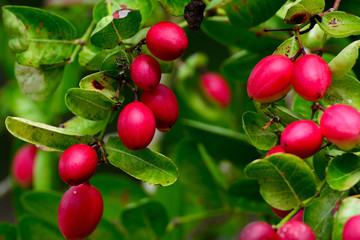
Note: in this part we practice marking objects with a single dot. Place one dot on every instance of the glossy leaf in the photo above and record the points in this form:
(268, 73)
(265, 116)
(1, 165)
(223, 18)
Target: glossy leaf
(343, 171)
(88, 104)
(288, 48)
(106, 230)
(92, 57)
(100, 82)
(84, 126)
(348, 208)
(340, 24)
(145, 165)
(301, 12)
(321, 160)
(110, 63)
(285, 180)
(50, 137)
(175, 7)
(38, 37)
(302, 106)
(345, 60)
(8, 231)
(261, 139)
(32, 228)
(110, 31)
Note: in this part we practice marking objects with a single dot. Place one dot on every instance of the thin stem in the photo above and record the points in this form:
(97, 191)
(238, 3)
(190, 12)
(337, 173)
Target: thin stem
(108, 4)
(183, 24)
(336, 4)
(301, 47)
(334, 8)
(102, 134)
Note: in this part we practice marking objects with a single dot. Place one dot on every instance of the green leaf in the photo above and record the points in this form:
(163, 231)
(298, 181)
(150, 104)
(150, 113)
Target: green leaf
(145, 220)
(175, 7)
(92, 57)
(348, 208)
(38, 84)
(301, 12)
(100, 82)
(345, 60)
(285, 180)
(88, 104)
(261, 139)
(53, 138)
(344, 90)
(343, 171)
(8, 231)
(320, 161)
(340, 24)
(84, 126)
(110, 62)
(245, 194)
(107, 231)
(110, 31)
(145, 165)
(302, 106)
(32, 228)
(318, 215)
(288, 48)
(38, 36)
(245, 14)
(45, 171)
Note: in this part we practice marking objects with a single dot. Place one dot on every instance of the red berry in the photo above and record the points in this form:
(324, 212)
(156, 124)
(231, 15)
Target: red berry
(216, 88)
(258, 231)
(163, 104)
(280, 213)
(295, 230)
(302, 138)
(311, 77)
(270, 79)
(298, 216)
(340, 124)
(167, 41)
(77, 164)
(351, 229)
(136, 126)
(276, 149)
(23, 165)
(80, 211)
(145, 71)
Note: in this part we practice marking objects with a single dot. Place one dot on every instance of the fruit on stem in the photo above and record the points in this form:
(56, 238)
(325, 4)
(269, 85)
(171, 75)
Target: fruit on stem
(216, 88)
(23, 165)
(145, 71)
(280, 213)
(258, 231)
(295, 230)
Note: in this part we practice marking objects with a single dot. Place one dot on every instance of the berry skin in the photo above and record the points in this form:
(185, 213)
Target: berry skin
(270, 79)
(77, 164)
(276, 149)
(80, 211)
(216, 88)
(145, 71)
(340, 124)
(280, 213)
(295, 230)
(298, 216)
(351, 229)
(163, 104)
(311, 77)
(136, 126)
(258, 231)
(167, 41)
(302, 138)
(23, 165)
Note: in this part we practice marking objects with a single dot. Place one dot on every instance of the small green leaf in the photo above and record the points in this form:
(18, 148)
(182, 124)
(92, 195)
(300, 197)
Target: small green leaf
(302, 106)
(84, 126)
(100, 9)
(340, 24)
(348, 208)
(175, 7)
(345, 60)
(110, 63)
(53, 138)
(107, 231)
(110, 31)
(100, 82)
(92, 57)
(8, 231)
(145, 165)
(88, 104)
(285, 180)
(320, 161)
(343, 171)
(288, 48)
(32, 228)
(261, 139)
(301, 12)
(145, 220)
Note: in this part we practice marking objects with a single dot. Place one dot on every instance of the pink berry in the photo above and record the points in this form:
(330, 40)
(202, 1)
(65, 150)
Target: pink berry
(276, 149)
(163, 104)
(23, 165)
(280, 213)
(80, 211)
(298, 216)
(136, 126)
(270, 79)
(302, 138)
(167, 41)
(351, 229)
(311, 77)
(295, 230)
(258, 231)
(145, 71)
(340, 124)
(77, 164)
(216, 88)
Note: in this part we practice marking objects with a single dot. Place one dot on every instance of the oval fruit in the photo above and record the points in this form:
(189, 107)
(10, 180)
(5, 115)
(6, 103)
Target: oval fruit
(216, 88)
(145, 71)
(351, 229)
(258, 231)
(23, 165)
(295, 230)
(276, 149)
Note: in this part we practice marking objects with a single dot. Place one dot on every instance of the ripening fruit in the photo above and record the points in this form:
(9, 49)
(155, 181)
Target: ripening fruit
(80, 211)
(280, 213)
(136, 126)
(145, 71)
(298, 216)
(258, 231)
(302, 138)
(351, 229)
(163, 104)
(340, 124)
(270, 79)
(216, 88)
(77, 164)
(23, 165)
(311, 77)
(295, 230)
(167, 41)
(276, 149)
